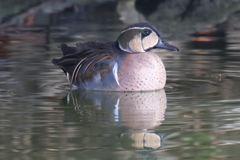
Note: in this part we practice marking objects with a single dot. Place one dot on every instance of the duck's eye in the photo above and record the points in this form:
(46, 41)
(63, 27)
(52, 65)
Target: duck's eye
(146, 32)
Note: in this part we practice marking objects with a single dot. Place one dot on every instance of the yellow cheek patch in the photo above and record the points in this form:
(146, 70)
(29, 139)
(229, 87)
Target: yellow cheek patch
(150, 41)
(136, 44)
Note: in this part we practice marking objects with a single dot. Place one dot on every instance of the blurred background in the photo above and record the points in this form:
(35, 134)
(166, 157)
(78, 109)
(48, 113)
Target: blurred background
(195, 117)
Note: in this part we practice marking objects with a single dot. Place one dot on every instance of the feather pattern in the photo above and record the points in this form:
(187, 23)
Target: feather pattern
(82, 62)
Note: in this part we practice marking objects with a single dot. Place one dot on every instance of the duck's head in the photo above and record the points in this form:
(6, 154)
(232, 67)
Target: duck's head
(142, 37)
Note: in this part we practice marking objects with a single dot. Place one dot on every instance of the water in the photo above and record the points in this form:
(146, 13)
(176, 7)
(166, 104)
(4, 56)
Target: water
(196, 116)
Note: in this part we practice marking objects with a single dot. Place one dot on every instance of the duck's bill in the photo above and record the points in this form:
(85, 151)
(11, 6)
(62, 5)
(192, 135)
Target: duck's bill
(165, 45)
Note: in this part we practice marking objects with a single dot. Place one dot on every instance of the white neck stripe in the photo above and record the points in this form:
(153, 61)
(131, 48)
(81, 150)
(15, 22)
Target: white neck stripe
(136, 28)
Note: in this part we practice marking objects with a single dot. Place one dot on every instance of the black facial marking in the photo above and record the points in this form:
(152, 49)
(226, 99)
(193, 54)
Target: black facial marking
(146, 32)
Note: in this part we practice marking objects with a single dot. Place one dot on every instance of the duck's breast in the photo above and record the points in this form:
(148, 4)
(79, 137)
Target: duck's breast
(141, 72)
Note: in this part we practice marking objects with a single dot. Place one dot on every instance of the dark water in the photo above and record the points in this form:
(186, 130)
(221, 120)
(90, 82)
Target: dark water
(196, 116)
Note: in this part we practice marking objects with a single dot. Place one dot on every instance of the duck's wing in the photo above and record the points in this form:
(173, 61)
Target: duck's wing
(86, 60)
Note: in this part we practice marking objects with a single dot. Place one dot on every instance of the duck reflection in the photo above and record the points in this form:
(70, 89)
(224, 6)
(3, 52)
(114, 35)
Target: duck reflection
(140, 112)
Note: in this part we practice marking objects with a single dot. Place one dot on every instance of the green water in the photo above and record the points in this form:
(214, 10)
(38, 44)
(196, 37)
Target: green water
(196, 116)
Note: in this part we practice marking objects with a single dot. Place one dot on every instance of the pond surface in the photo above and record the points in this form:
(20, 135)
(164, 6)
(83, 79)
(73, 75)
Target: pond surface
(196, 116)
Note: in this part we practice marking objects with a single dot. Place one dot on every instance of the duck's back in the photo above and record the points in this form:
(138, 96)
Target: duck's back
(89, 65)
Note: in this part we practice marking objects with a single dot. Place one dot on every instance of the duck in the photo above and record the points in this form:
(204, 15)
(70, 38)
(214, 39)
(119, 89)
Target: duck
(124, 65)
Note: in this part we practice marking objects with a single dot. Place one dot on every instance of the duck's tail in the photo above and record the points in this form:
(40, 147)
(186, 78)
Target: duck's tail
(67, 50)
